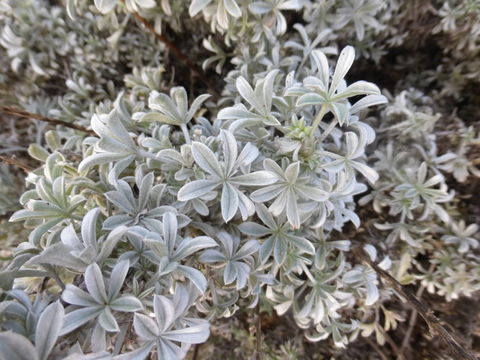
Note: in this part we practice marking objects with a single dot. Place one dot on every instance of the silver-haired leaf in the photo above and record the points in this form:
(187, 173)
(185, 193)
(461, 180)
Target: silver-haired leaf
(48, 328)
(17, 347)
(95, 283)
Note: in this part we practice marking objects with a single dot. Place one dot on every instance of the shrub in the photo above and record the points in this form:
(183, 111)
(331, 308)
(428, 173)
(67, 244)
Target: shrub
(165, 202)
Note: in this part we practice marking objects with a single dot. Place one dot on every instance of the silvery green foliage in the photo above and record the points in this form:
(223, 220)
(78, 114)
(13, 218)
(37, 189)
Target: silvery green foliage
(135, 201)
(37, 40)
(99, 302)
(460, 56)
(363, 21)
(170, 326)
(417, 198)
(105, 6)
(232, 17)
(38, 321)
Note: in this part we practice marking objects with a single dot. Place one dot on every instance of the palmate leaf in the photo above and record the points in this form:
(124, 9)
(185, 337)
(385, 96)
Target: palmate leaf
(97, 302)
(287, 190)
(55, 205)
(144, 209)
(260, 100)
(233, 258)
(278, 236)
(173, 109)
(225, 175)
(74, 252)
(333, 95)
(171, 250)
(169, 328)
(115, 145)
(355, 147)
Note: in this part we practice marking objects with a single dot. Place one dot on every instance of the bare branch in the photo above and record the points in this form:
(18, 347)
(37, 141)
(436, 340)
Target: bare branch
(27, 115)
(432, 321)
(258, 335)
(196, 351)
(377, 349)
(14, 162)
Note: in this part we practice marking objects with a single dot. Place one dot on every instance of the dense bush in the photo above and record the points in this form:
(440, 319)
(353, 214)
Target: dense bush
(167, 196)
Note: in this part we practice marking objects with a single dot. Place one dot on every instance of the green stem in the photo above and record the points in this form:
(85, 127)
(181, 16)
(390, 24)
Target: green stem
(148, 155)
(186, 134)
(318, 118)
(328, 130)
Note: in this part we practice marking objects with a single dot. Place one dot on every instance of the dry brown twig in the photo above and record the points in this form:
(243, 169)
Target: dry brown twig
(413, 319)
(393, 345)
(196, 351)
(434, 324)
(377, 349)
(28, 115)
(15, 162)
(258, 335)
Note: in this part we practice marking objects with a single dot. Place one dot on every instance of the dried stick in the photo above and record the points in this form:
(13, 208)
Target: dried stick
(377, 348)
(14, 162)
(177, 52)
(411, 323)
(258, 335)
(27, 115)
(394, 346)
(196, 351)
(432, 321)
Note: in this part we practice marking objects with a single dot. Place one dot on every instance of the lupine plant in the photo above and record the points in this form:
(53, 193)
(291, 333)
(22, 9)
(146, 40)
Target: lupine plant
(159, 200)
